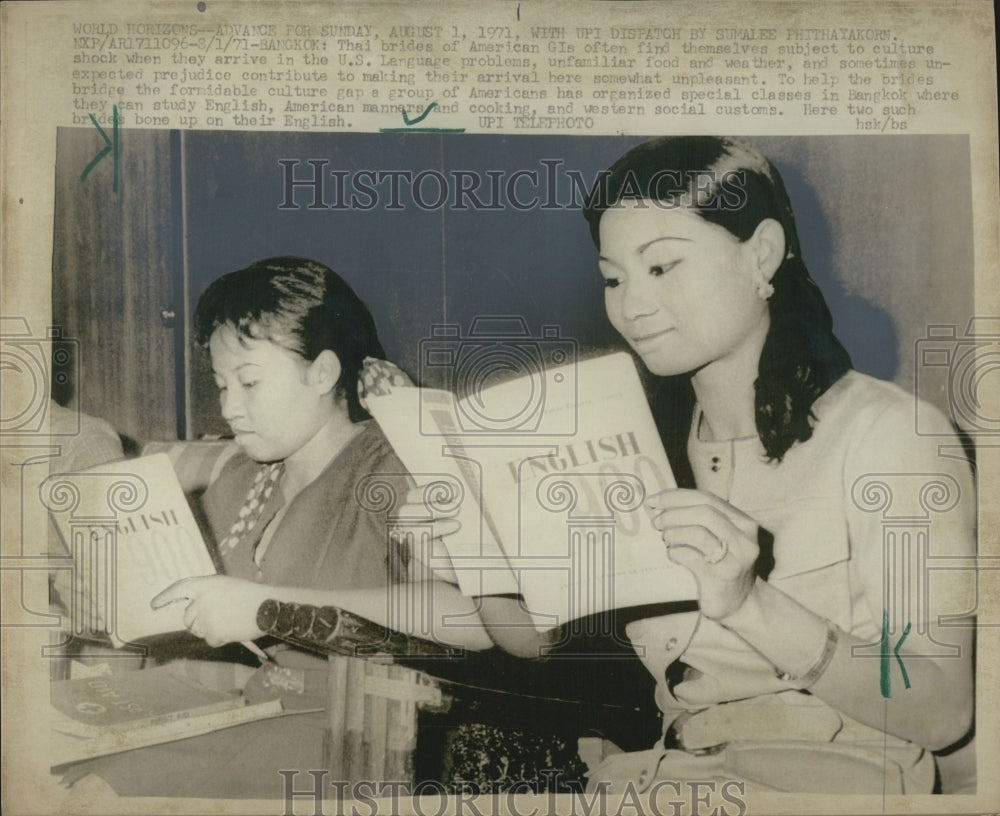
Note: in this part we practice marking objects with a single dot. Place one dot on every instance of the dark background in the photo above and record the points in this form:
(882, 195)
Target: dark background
(885, 224)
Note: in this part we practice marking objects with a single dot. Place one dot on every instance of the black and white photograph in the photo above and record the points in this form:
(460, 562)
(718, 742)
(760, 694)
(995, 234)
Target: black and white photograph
(441, 468)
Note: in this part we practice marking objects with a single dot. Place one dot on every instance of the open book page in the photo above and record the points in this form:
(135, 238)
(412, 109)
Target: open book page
(562, 492)
(584, 539)
(131, 534)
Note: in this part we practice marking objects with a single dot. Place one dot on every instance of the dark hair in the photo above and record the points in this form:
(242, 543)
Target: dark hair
(733, 185)
(300, 305)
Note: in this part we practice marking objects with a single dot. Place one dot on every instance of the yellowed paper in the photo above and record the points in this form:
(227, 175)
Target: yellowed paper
(148, 147)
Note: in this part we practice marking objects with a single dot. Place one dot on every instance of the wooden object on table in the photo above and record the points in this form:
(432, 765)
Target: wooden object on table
(372, 704)
(373, 709)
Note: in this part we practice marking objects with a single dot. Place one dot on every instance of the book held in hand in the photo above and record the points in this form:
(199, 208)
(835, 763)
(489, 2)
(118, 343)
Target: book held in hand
(554, 510)
(131, 534)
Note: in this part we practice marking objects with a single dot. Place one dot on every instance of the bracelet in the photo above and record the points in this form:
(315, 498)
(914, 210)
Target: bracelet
(811, 676)
(332, 630)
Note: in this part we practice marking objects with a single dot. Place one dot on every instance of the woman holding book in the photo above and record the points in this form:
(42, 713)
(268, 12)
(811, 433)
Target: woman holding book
(792, 467)
(288, 340)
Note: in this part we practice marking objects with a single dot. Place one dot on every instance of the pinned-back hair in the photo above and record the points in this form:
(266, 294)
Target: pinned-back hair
(300, 305)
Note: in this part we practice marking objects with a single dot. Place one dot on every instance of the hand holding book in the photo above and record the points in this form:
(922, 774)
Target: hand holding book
(131, 534)
(714, 540)
(552, 507)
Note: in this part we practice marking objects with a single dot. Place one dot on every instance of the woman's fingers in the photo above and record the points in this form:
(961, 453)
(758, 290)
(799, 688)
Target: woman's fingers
(715, 541)
(435, 502)
(678, 498)
(446, 526)
(187, 589)
(432, 528)
(414, 496)
(695, 546)
(441, 498)
(190, 618)
(700, 550)
(183, 590)
(220, 609)
(717, 525)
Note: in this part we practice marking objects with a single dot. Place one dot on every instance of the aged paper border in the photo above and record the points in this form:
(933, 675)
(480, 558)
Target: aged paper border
(34, 103)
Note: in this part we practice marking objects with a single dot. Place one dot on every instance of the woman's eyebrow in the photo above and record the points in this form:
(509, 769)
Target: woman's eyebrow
(643, 247)
(238, 368)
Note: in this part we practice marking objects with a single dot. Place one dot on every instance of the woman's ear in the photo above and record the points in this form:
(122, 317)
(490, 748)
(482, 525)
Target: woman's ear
(767, 247)
(324, 371)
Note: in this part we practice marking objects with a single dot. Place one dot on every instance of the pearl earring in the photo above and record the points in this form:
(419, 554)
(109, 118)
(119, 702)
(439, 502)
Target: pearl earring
(764, 287)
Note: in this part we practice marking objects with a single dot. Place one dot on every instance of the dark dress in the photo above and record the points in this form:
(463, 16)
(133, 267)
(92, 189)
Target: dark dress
(333, 535)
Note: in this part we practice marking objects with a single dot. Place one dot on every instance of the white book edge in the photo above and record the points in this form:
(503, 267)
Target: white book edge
(67, 748)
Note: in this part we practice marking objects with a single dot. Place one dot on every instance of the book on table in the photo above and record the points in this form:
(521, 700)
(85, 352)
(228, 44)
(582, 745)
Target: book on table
(547, 474)
(106, 714)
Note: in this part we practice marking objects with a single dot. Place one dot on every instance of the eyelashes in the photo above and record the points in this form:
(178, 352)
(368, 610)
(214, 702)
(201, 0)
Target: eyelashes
(656, 270)
(246, 386)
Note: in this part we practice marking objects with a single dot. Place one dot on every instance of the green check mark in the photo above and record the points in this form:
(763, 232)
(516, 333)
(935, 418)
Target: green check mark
(408, 121)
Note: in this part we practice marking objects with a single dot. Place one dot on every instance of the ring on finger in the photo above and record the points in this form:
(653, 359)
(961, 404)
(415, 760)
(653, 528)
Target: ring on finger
(722, 553)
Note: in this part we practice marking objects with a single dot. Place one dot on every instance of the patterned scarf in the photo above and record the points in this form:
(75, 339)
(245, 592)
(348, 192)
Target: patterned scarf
(253, 505)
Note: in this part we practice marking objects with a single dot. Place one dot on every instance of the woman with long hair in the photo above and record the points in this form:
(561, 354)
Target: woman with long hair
(784, 678)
